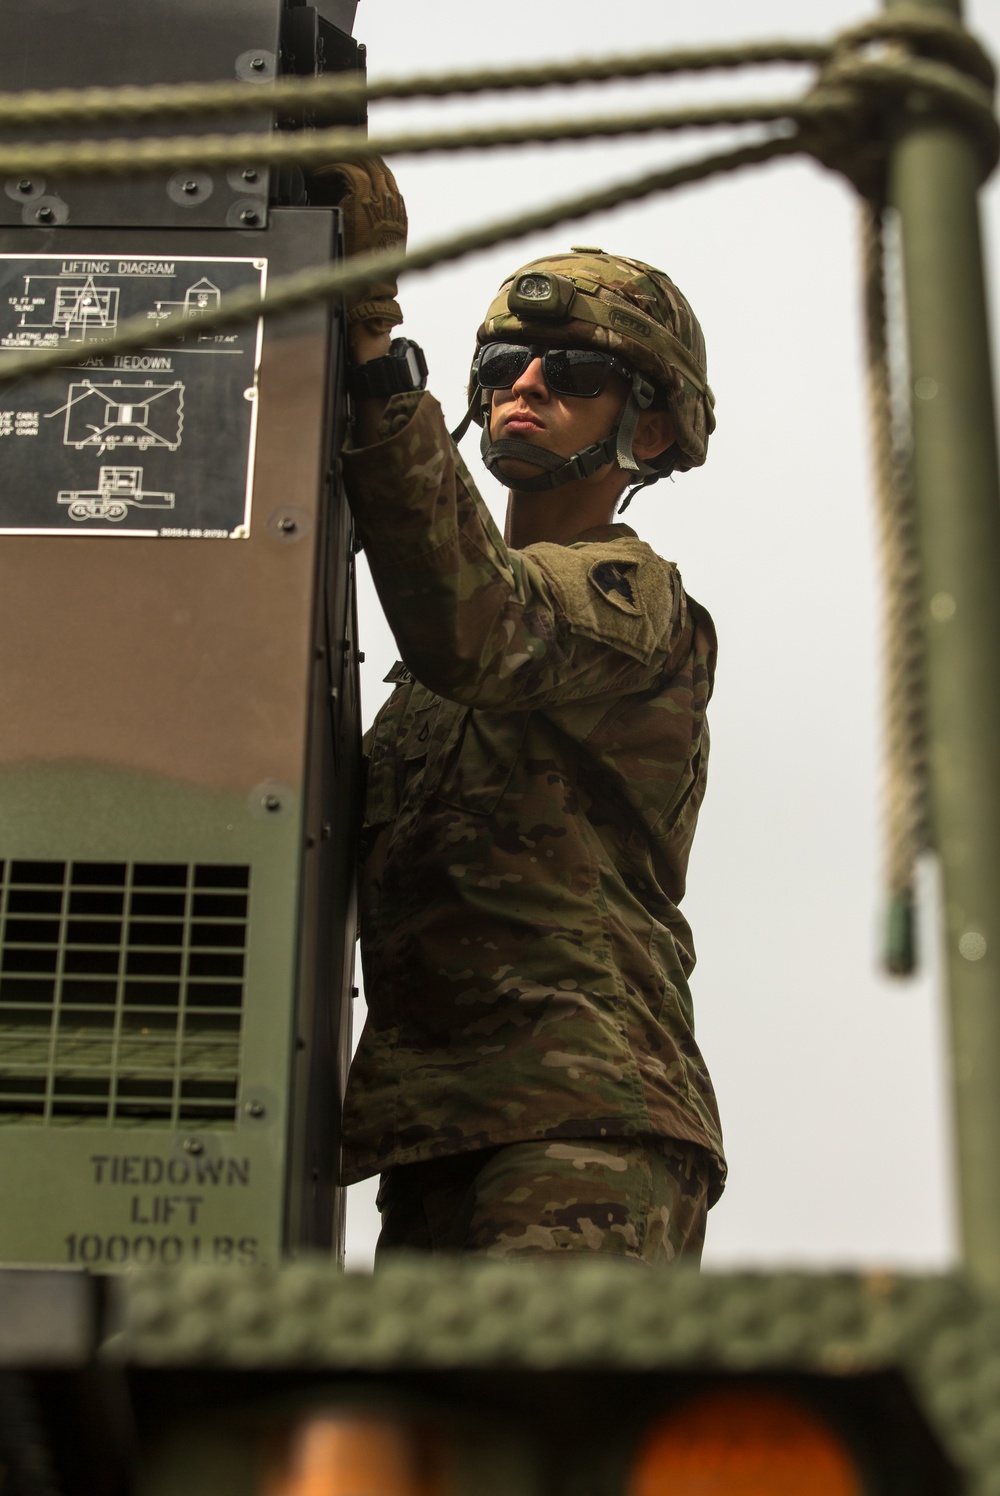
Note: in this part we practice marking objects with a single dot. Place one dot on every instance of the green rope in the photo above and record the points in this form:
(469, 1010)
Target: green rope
(936, 82)
(332, 281)
(318, 147)
(825, 105)
(337, 90)
(847, 87)
(946, 36)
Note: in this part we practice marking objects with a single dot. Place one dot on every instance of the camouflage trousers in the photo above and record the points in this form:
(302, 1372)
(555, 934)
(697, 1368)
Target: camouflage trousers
(642, 1199)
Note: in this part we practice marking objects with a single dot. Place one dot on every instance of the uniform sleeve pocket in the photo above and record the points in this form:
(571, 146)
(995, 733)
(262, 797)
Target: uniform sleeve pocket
(479, 758)
(417, 741)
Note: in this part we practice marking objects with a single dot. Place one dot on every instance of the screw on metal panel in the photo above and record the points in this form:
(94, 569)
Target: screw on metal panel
(190, 187)
(193, 1145)
(249, 175)
(255, 1109)
(286, 524)
(44, 215)
(271, 802)
(326, 830)
(25, 185)
(258, 64)
(249, 215)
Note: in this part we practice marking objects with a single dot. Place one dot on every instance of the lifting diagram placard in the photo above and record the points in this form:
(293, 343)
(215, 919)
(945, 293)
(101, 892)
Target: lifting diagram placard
(158, 442)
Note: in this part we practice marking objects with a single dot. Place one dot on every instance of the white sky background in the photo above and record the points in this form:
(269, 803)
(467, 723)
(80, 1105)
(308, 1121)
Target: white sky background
(831, 1077)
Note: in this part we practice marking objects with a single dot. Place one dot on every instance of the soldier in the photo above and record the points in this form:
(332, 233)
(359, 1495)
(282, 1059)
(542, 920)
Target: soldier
(528, 1081)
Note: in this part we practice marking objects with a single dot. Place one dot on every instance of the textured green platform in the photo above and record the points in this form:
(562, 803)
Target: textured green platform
(939, 1333)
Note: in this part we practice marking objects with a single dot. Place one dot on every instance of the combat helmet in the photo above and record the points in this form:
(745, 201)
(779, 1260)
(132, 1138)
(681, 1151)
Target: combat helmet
(625, 307)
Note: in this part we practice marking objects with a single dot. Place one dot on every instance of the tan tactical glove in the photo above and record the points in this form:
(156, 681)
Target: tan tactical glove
(374, 219)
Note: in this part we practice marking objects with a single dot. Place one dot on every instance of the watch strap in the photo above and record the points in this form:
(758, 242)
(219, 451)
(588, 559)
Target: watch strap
(404, 368)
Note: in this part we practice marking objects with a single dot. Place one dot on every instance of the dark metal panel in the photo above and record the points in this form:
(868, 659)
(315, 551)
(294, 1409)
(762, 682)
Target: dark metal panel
(339, 13)
(65, 44)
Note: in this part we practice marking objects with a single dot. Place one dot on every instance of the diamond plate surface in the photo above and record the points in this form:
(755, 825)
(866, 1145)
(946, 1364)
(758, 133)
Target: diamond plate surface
(940, 1332)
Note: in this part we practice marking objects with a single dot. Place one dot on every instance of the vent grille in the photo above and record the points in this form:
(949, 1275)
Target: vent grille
(121, 992)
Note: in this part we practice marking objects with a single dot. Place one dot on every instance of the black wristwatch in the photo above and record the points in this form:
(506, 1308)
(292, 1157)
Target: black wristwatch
(403, 368)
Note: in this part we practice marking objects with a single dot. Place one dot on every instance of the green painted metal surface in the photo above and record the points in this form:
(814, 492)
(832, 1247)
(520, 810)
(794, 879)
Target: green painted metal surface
(934, 175)
(109, 1194)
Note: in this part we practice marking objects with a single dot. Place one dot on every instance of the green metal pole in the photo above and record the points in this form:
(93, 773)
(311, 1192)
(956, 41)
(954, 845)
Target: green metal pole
(934, 173)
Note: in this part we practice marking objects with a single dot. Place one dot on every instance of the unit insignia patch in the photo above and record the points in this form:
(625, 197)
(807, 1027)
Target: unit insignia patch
(615, 580)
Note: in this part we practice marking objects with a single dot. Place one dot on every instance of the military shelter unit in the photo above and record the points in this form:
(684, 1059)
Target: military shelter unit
(179, 745)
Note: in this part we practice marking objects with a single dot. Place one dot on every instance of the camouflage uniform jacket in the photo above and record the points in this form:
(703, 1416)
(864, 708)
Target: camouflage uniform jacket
(532, 795)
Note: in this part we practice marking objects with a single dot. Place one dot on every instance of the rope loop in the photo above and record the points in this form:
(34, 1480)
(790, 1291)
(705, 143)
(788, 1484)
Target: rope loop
(931, 63)
(938, 36)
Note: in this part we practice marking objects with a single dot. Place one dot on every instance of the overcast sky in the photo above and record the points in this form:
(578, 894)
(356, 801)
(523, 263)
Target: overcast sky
(831, 1077)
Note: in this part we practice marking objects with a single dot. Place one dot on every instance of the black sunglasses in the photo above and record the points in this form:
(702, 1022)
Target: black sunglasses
(567, 371)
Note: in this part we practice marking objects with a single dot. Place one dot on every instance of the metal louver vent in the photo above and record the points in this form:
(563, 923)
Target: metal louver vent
(121, 992)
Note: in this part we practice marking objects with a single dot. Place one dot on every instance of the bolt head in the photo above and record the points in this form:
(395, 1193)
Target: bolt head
(190, 187)
(25, 184)
(249, 215)
(271, 803)
(287, 525)
(194, 1145)
(258, 64)
(250, 174)
(45, 215)
(255, 1109)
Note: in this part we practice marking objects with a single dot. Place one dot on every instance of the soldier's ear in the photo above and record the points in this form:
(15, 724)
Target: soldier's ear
(653, 434)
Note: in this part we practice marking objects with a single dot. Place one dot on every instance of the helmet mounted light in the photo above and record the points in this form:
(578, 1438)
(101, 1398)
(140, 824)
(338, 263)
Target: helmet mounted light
(540, 295)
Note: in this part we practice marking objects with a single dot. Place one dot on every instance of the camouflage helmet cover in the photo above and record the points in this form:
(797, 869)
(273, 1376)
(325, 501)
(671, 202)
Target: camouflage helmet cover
(636, 312)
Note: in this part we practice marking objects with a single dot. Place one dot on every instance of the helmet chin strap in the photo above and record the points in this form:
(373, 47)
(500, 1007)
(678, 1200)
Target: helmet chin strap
(556, 469)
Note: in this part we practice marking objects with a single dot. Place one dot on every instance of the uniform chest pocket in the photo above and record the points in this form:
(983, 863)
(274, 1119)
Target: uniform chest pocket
(408, 738)
(479, 758)
(390, 731)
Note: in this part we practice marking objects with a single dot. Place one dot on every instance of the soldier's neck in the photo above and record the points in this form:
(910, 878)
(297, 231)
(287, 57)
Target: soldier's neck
(558, 514)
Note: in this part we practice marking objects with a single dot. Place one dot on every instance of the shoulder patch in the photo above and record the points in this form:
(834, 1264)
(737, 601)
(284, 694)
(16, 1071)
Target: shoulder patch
(399, 675)
(615, 592)
(615, 581)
